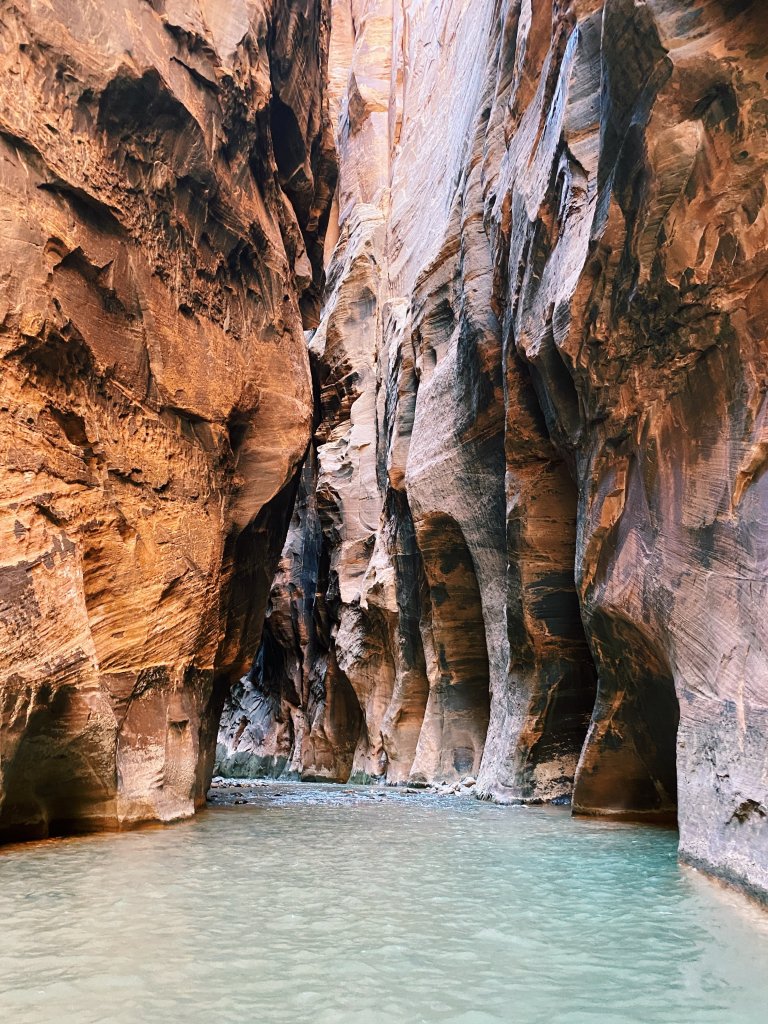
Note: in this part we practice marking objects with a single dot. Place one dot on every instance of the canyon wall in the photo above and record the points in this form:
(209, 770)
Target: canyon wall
(166, 177)
(531, 539)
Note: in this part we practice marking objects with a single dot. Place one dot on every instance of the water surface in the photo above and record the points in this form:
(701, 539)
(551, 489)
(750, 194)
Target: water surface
(334, 905)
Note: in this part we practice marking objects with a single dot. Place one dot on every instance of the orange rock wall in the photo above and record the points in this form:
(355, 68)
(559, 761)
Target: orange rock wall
(166, 174)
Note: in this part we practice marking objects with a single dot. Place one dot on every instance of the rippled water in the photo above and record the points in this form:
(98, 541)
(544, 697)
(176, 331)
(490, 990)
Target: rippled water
(337, 905)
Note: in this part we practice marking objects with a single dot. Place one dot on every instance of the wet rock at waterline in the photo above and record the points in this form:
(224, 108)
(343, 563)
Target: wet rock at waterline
(166, 173)
(536, 513)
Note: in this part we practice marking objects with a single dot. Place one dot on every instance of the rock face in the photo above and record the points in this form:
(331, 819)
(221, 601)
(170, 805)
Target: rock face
(533, 541)
(166, 175)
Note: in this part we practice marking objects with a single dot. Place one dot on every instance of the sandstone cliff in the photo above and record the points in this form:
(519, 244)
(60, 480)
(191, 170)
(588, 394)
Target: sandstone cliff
(533, 543)
(166, 175)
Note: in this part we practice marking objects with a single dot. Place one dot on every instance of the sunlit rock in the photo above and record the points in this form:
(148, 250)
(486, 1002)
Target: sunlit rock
(166, 175)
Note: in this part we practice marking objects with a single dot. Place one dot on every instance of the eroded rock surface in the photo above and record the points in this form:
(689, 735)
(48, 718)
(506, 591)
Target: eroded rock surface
(166, 174)
(540, 498)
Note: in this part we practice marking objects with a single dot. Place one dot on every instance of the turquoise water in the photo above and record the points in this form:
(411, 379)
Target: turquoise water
(334, 905)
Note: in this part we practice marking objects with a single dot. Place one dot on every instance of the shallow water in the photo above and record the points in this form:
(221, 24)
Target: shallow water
(335, 905)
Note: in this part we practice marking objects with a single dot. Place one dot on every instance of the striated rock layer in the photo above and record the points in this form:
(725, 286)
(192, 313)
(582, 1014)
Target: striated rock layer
(533, 543)
(166, 175)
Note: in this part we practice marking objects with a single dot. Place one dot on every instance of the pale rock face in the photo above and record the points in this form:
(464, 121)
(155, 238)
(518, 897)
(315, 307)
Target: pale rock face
(416, 533)
(165, 180)
(539, 496)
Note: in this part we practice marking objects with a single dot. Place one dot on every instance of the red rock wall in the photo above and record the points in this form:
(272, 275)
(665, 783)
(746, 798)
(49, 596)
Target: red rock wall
(166, 173)
(542, 366)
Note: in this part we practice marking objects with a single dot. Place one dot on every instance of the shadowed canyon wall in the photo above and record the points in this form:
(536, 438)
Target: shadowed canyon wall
(531, 538)
(166, 176)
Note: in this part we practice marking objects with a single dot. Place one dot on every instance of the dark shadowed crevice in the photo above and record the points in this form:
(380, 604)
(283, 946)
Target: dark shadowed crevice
(249, 565)
(402, 722)
(295, 713)
(287, 139)
(628, 765)
(255, 710)
(339, 729)
(55, 780)
(550, 662)
(541, 718)
(458, 707)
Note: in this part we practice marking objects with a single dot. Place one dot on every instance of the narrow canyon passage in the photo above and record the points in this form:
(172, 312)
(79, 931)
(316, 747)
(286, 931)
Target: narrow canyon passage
(383, 509)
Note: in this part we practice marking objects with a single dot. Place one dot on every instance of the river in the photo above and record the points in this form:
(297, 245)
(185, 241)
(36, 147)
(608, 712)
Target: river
(332, 905)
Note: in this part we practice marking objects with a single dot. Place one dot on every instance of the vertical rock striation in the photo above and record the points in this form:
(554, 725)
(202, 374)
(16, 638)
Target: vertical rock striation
(538, 518)
(166, 175)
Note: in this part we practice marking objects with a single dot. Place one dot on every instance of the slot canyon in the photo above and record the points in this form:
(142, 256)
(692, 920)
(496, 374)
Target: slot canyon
(384, 402)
